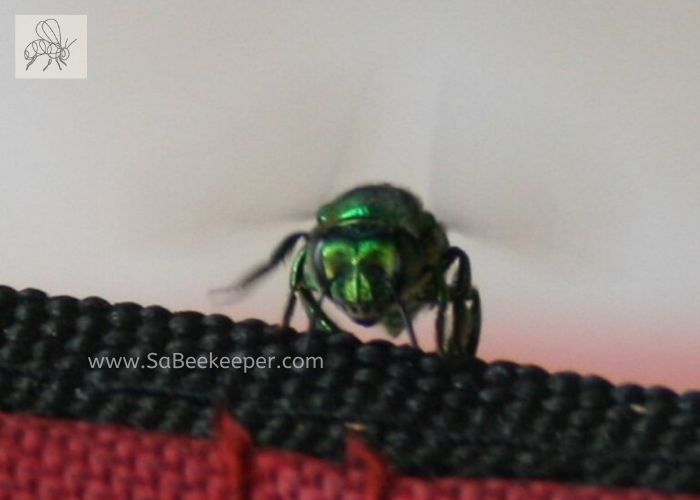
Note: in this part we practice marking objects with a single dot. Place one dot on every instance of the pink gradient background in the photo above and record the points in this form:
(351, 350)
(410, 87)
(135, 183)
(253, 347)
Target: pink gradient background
(620, 351)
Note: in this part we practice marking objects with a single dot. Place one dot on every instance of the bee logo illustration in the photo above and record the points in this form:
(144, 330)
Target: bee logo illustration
(49, 43)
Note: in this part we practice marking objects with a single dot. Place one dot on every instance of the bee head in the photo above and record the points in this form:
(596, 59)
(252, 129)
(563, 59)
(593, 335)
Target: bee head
(360, 271)
(364, 295)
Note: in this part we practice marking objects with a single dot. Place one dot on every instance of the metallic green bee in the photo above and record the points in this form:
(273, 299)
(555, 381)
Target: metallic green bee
(381, 258)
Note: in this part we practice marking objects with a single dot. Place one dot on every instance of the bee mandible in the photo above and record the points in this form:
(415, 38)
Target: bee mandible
(49, 43)
(381, 258)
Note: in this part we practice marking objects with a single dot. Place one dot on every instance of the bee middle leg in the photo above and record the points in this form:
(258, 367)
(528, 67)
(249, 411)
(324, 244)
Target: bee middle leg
(283, 250)
(466, 307)
(440, 320)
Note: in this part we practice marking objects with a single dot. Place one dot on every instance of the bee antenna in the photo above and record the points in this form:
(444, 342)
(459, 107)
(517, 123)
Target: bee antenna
(71, 43)
(409, 324)
(324, 295)
(404, 316)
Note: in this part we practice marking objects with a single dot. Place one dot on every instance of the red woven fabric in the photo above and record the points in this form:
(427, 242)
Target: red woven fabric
(42, 459)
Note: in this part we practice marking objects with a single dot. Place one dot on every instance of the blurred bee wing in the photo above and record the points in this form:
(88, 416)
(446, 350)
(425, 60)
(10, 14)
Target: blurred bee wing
(50, 31)
(556, 240)
(266, 222)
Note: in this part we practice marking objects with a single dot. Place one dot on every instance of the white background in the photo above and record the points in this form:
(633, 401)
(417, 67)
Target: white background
(558, 138)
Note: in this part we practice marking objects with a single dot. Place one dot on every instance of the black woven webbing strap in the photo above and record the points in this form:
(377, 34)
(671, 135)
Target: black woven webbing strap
(429, 417)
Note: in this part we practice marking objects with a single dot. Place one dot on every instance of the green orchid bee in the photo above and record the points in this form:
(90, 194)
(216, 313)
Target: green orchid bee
(381, 258)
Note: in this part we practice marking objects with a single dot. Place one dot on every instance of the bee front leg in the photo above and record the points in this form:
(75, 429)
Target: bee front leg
(295, 279)
(289, 309)
(318, 320)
